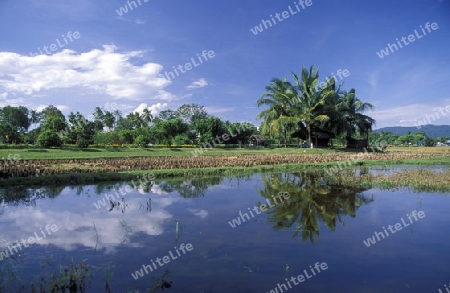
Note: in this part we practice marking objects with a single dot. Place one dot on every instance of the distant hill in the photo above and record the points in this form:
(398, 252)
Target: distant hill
(430, 130)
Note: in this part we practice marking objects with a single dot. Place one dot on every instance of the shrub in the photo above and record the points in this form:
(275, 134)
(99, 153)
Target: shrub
(48, 138)
(141, 141)
(82, 143)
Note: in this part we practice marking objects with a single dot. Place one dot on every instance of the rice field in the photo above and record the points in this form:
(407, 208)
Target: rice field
(40, 169)
(414, 179)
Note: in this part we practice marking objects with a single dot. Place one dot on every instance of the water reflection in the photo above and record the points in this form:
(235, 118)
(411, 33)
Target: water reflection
(190, 188)
(148, 221)
(311, 200)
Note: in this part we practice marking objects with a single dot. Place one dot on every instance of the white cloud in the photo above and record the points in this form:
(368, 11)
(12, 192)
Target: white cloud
(411, 114)
(103, 71)
(198, 84)
(199, 213)
(62, 108)
(154, 109)
(76, 228)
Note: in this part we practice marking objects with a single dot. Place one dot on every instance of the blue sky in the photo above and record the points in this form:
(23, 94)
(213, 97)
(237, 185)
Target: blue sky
(123, 59)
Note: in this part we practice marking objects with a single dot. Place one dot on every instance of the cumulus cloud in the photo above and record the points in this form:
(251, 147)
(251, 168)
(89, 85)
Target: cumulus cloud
(154, 109)
(198, 84)
(106, 71)
(62, 108)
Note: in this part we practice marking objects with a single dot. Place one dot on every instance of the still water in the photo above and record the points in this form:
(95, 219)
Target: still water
(190, 235)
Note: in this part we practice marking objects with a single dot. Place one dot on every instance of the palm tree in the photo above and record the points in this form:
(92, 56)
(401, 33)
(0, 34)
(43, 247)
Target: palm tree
(135, 119)
(345, 112)
(310, 99)
(109, 119)
(98, 113)
(305, 107)
(117, 115)
(349, 119)
(290, 105)
(279, 97)
(351, 108)
(147, 116)
(337, 122)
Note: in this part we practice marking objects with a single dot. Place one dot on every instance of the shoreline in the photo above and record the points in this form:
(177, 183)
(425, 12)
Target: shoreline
(94, 178)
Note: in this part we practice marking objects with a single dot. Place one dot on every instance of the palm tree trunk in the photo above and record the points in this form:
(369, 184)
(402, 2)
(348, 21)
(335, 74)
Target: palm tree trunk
(309, 136)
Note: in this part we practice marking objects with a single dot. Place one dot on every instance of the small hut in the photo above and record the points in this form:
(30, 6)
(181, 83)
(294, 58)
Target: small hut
(257, 140)
(356, 143)
(320, 137)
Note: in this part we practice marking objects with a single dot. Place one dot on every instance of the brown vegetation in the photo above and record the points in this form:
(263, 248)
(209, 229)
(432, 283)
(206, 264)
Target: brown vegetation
(27, 168)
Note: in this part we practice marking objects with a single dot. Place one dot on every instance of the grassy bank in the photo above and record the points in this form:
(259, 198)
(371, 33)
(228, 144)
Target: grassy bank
(129, 152)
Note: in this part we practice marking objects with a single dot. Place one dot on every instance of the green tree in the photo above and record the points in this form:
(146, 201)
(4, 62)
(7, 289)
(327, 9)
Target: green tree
(351, 108)
(167, 115)
(48, 138)
(109, 120)
(190, 113)
(14, 122)
(291, 105)
(146, 116)
(281, 115)
(172, 128)
(82, 131)
(53, 128)
(241, 132)
(310, 99)
(141, 141)
(209, 128)
(303, 107)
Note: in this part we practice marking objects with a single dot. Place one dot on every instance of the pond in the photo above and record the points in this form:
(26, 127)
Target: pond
(258, 233)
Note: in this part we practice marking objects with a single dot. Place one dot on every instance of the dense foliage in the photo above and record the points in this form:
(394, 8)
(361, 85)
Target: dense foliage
(306, 108)
(189, 124)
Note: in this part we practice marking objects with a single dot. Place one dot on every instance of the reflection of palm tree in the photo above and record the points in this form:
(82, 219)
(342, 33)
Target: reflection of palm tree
(310, 200)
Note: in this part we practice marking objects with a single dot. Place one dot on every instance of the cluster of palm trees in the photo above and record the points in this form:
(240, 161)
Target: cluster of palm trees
(132, 120)
(305, 108)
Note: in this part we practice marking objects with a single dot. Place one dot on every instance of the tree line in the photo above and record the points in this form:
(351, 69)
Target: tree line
(419, 138)
(189, 124)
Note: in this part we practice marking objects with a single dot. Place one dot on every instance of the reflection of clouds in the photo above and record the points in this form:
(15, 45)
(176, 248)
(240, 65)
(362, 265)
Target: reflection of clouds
(220, 187)
(75, 221)
(199, 213)
(156, 189)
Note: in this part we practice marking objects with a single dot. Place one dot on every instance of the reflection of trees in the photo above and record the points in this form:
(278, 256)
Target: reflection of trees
(311, 200)
(27, 196)
(190, 188)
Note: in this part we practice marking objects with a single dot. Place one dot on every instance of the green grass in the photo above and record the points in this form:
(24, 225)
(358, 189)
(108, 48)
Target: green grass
(128, 152)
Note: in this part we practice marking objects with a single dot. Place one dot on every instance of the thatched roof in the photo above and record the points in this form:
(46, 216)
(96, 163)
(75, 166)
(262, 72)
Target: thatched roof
(315, 132)
(258, 138)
